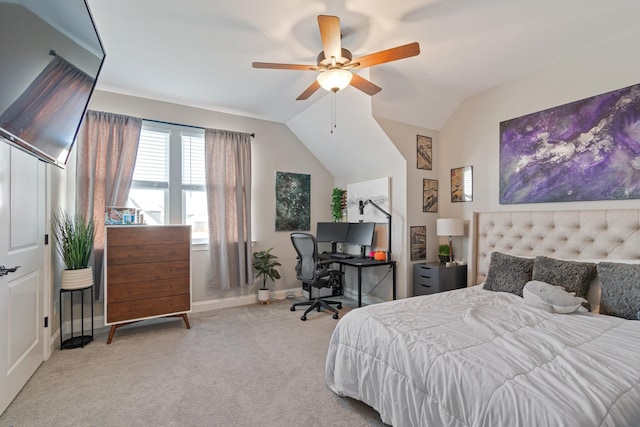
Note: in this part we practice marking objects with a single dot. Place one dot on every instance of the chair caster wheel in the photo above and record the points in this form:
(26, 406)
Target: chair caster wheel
(303, 318)
(339, 306)
(292, 308)
(335, 316)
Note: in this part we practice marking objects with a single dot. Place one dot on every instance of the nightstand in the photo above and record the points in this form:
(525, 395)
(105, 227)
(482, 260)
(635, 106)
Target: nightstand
(434, 277)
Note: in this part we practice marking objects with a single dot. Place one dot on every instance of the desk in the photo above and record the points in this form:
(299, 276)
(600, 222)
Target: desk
(361, 263)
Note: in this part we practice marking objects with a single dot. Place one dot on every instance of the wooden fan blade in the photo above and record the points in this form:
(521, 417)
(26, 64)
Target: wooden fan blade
(330, 34)
(393, 54)
(309, 91)
(364, 85)
(271, 65)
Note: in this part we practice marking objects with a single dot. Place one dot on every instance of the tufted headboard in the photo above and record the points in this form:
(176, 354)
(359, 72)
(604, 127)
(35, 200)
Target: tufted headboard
(575, 235)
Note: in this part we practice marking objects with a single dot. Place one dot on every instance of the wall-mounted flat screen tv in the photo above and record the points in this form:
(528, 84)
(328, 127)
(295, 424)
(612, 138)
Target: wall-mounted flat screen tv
(50, 58)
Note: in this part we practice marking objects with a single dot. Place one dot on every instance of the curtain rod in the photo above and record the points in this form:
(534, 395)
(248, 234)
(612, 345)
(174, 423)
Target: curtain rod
(253, 135)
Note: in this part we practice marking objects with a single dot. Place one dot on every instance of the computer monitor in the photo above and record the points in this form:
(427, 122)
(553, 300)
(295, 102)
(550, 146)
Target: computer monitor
(334, 232)
(361, 233)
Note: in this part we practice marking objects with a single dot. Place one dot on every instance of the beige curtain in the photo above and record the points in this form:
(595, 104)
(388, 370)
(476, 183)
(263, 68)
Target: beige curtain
(228, 180)
(107, 148)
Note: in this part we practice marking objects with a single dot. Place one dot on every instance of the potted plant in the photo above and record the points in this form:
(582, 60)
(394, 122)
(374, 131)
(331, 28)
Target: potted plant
(443, 253)
(265, 264)
(338, 203)
(74, 242)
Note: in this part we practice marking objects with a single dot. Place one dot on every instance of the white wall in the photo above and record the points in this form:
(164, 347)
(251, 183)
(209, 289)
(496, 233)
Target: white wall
(403, 136)
(274, 148)
(471, 136)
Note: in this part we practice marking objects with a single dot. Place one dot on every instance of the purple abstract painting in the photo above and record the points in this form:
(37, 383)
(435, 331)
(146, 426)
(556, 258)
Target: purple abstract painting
(585, 150)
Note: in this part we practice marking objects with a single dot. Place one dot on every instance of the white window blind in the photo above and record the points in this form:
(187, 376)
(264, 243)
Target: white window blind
(151, 161)
(193, 161)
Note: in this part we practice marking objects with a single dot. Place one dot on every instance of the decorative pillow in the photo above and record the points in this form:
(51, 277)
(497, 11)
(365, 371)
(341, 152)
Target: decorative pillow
(620, 289)
(508, 273)
(573, 276)
(551, 298)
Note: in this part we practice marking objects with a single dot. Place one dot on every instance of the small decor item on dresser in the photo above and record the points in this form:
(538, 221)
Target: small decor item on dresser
(265, 263)
(443, 253)
(74, 242)
(115, 215)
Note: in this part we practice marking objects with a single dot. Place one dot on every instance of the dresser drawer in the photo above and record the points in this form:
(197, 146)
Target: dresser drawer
(425, 270)
(144, 290)
(125, 311)
(431, 278)
(426, 287)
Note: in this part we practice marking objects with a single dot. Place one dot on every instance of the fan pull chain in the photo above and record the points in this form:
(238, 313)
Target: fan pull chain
(333, 110)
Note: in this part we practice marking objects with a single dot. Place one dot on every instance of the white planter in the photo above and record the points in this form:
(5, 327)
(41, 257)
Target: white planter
(264, 295)
(77, 279)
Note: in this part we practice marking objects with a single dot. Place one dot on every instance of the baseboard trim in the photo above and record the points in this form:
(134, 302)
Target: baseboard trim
(196, 307)
(216, 304)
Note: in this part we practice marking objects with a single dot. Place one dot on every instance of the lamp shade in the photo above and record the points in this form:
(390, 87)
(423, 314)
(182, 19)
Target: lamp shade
(334, 80)
(449, 227)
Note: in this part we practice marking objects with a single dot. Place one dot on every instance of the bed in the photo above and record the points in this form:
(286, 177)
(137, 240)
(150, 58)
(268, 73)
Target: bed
(481, 356)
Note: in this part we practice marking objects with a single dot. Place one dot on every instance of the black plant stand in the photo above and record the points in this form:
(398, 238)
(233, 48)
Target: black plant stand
(82, 339)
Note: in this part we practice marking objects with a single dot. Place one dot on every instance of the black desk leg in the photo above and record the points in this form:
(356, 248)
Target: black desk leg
(393, 274)
(60, 316)
(359, 286)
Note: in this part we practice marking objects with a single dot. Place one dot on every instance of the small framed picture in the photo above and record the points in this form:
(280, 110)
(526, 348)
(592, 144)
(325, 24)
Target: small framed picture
(429, 195)
(418, 236)
(462, 184)
(424, 152)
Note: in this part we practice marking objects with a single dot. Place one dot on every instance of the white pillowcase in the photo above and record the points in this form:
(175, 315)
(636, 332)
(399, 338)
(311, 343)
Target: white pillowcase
(551, 298)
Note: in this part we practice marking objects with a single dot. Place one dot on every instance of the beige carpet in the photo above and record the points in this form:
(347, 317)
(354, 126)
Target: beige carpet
(256, 365)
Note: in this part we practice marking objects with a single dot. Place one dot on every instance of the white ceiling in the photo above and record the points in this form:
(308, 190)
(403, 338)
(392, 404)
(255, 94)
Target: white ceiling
(199, 53)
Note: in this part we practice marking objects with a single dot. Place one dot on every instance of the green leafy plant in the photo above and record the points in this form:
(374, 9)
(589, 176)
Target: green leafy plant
(74, 239)
(265, 263)
(443, 253)
(338, 203)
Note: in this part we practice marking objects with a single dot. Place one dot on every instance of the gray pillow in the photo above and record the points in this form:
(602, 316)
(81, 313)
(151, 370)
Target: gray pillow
(508, 273)
(573, 276)
(620, 289)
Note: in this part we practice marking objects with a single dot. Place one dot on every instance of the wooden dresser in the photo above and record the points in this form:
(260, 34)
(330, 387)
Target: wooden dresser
(147, 273)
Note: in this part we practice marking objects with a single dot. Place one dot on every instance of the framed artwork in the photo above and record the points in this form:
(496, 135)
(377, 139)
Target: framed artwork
(582, 151)
(429, 195)
(462, 184)
(418, 236)
(376, 190)
(424, 152)
(293, 196)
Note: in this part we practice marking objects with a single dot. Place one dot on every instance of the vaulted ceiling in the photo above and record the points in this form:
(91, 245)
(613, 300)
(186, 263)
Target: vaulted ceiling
(199, 53)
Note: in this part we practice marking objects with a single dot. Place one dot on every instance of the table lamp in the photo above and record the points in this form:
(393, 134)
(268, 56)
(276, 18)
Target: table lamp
(450, 227)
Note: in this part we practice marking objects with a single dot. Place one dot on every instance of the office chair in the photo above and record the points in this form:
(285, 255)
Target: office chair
(313, 272)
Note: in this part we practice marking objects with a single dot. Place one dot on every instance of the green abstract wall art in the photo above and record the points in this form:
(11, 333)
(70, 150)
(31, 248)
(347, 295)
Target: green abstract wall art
(293, 201)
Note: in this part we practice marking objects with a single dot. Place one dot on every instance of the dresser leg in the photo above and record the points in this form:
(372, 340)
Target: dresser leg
(111, 332)
(186, 320)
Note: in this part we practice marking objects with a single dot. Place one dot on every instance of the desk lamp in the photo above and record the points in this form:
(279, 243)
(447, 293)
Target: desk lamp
(361, 206)
(450, 227)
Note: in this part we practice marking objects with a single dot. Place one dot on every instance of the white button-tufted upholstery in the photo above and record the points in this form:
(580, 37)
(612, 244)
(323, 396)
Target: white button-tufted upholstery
(574, 235)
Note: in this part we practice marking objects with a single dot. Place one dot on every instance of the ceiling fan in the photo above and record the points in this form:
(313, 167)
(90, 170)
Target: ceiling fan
(335, 62)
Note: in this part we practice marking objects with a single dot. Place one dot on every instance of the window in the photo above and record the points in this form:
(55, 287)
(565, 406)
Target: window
(168, 180)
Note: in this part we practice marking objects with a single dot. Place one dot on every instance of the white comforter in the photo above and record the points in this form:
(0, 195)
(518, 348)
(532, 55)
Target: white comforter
(480, 358)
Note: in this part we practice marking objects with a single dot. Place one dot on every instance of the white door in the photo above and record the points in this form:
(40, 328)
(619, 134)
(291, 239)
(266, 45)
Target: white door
(22, 208)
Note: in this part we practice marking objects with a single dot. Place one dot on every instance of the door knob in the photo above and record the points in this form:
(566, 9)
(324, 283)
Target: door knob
(4, 271)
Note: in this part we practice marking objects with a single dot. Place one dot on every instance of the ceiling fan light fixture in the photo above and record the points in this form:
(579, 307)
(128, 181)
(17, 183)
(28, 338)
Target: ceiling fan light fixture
(335, 79)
